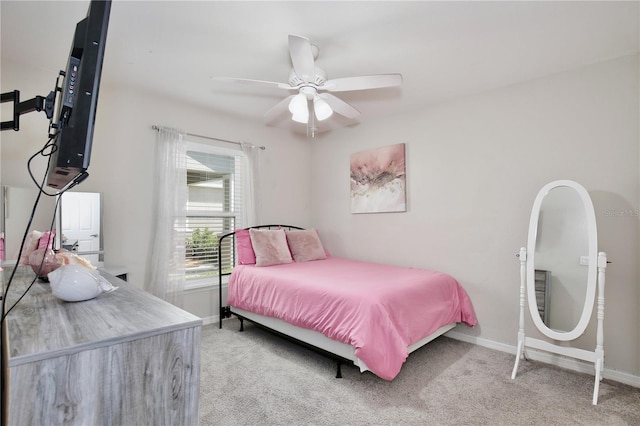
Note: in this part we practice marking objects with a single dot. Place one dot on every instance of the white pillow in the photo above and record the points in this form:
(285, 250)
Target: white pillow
(270, 246)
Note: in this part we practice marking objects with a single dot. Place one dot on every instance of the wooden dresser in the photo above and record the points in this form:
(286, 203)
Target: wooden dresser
(123, 358)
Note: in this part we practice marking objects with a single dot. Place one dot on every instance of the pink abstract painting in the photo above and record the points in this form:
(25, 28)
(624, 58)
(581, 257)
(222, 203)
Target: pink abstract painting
(378, 180)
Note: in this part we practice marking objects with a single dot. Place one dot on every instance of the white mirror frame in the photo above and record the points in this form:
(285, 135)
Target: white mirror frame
(592, 267)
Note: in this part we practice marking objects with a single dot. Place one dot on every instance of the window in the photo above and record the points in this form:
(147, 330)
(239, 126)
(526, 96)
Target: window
(214, 207)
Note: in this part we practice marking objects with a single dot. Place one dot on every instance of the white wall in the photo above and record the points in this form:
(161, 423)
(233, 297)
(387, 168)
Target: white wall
(474, 167)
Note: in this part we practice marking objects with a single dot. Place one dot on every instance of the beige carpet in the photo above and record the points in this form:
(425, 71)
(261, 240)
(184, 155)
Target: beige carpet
(256, 378)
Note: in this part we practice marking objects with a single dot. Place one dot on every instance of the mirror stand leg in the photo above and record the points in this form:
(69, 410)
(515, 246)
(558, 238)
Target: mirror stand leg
(522, 255)
(599, 352)
(596, 386)
(519, 353)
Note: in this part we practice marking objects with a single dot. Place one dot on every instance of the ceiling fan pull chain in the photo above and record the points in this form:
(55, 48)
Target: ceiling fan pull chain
(311, 124)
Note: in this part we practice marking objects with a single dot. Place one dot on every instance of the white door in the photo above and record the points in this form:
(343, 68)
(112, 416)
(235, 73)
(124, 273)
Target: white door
(80, 221)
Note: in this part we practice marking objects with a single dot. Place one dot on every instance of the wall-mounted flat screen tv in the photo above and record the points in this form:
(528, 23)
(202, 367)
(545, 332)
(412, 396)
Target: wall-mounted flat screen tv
(78, 98)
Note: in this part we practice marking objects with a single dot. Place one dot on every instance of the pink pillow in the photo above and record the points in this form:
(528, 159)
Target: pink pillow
(46, 241)
(246, 255)
(270, 247)
(305, 245)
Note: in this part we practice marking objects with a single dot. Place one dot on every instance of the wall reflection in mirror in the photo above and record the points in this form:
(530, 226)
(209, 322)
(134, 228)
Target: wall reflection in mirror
(561, 256)
(79, 217)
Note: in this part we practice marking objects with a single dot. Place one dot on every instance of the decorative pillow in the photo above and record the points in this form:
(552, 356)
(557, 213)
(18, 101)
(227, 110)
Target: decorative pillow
(305, 245)
(270, 247)
(46, 241)
(246, 255)
(30, 244)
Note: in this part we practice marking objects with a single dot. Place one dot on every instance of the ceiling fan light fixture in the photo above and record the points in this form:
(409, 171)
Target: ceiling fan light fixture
(321, 108)
(299, 108)
(301, 118)
(298, 104)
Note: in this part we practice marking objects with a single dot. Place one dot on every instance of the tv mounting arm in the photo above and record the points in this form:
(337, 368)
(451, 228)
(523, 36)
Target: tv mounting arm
(38, 103)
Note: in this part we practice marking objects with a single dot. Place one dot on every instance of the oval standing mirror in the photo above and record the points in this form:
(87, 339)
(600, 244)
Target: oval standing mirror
(562, 260)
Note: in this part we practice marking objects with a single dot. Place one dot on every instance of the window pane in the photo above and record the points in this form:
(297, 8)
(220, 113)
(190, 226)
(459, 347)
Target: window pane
(210, 179)
(202, 245)
(214, 208)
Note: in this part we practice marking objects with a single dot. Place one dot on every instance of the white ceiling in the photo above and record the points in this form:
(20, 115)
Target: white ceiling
(444, 50)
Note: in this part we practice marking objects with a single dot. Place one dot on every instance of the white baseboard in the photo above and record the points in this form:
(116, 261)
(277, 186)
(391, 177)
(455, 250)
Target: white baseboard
(213, 319)
(559, 361)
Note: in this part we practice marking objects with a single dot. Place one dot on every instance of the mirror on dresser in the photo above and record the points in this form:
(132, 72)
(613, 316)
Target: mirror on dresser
(560, 273)
(16, 205)
(79, 217)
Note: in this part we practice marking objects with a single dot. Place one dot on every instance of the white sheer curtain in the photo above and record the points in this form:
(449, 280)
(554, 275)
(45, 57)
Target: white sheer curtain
(251, 184)
(167, 261)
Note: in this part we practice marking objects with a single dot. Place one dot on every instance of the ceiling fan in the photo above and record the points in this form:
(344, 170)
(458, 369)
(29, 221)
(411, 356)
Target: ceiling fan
(314, 99)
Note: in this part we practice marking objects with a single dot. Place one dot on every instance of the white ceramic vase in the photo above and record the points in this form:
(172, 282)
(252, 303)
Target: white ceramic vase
(75, 283)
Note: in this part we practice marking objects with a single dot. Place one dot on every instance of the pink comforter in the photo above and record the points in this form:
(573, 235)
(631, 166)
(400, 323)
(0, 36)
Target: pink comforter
(380, 310)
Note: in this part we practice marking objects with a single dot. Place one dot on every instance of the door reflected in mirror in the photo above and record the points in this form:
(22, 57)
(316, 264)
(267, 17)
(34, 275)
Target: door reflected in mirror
(561, 243)
(81, 224)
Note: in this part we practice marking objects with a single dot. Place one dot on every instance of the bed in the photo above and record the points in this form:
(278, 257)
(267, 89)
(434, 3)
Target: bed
(368, 314)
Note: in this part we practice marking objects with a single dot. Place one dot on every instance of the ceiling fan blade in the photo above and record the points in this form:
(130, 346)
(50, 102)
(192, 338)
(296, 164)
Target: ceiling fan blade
(362, 83)
(339, 106)
(278, 108)
(256, 82)
(302, 58)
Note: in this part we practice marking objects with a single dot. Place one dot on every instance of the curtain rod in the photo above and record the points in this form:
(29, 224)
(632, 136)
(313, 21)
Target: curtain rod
(154, 127)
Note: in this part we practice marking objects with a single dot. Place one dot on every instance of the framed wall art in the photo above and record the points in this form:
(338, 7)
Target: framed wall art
(378, 180)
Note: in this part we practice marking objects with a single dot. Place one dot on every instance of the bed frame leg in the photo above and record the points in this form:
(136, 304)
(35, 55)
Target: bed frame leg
(241, 324)
(339, 371)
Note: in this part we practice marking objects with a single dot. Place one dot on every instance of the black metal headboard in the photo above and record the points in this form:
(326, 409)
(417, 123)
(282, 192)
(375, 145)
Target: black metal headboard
(224, 312)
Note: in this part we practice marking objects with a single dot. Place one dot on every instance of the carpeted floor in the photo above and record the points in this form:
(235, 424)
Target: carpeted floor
(256, 378)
